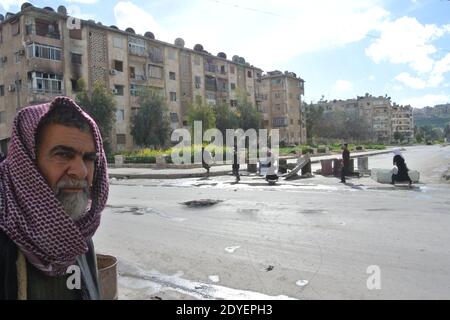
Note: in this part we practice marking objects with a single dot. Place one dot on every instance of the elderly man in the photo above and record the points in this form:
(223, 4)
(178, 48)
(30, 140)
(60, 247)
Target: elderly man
(53, 187)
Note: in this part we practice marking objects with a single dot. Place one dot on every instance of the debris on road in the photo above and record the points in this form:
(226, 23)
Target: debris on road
(201, 203)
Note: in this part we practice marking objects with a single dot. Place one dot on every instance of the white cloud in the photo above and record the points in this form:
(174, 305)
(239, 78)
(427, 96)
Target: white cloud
(75, 11)
(410, 81)
(372, 78)
(8, 4)
(83, 1)
(342, 86)
(267, 33)
(129, 15)
(407, 41)
(426, 100)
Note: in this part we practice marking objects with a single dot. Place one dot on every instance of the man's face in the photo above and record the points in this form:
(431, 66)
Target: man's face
(66, 158)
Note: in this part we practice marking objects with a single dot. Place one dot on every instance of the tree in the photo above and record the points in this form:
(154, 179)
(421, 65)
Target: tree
(314, 116)
(201, 111)
(447, 131)
(225, 118)
(398, 136)
(100, 104)
(150, 126)
(249, 117)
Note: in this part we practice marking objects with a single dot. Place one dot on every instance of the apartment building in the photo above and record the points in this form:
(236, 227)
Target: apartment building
(403, 121)
(381, 116)
(43, 53)
(280, 102)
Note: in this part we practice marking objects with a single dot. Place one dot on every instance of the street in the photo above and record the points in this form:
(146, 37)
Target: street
(303, 239)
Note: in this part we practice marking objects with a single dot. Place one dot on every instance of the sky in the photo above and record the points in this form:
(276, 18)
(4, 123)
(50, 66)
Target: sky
(342, 49)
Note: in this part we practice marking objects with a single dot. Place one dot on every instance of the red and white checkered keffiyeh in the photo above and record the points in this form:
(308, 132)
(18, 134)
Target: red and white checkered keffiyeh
(30, 213)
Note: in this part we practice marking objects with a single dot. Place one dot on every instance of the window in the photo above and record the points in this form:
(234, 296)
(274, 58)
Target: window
(46, 28)
(117, 43)
(119, 90)
(2, 117)
(2, 91)
(223, 70)
(132, 72)
(76, 58)
(279, 122)
(249, 74)
(16, 57)
(76, 34)
(276, 82)
(118, 65)
(277, 95)
(171, 54)
(120, 115)
(155, 55)
(233, 103)
(173, 96)
(121, 139)
(172, 76)
(135, 89)
(233, 86)
(136, 46)
(210, 83)
(292, 122)
(74, 83)
(44, 52)
(174, 117)
(46, 83)
(155, 72)
(232, 69)
(266, 123)
(198, 82)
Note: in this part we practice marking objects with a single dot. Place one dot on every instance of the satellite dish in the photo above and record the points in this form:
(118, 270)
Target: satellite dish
(198, 47)
(49, 9)
(149, 35)
(241, 60)
(235, 59)
(62, 10)
(222, 55)
(179, 42)
(130, 30)
(9, 15)
(114, 27)
(25, 5)
(247, 64)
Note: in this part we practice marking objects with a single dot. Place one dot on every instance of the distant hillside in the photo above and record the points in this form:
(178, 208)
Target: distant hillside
(437, 116)
(434, 121)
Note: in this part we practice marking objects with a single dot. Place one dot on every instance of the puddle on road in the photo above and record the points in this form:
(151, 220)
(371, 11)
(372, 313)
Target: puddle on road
(313, 211)
(379, 210)
(149, 283)
(140, 211)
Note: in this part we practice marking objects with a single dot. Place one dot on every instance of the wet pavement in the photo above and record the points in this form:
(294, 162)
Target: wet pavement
(303, 239)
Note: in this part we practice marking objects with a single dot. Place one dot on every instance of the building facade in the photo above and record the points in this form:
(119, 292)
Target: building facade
(382, 117)
(43, 54)
(280, 102)
(402, 122)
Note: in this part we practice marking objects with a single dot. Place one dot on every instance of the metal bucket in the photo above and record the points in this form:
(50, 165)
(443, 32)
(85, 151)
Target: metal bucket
(107, 277)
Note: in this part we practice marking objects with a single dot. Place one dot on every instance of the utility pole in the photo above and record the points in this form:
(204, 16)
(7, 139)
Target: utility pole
(18, 88)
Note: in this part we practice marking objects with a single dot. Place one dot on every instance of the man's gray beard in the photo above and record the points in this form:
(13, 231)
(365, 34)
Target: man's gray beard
(74, 203)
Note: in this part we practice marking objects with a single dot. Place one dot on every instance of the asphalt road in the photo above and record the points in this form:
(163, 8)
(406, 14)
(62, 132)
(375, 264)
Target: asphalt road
(302, 239)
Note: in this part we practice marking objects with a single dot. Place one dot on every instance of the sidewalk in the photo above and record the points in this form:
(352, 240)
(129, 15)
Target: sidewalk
(220, 170)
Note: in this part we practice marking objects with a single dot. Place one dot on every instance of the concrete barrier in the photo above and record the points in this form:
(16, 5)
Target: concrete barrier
(327, 167)
(363, 164)
(385, 175)
(118, 161)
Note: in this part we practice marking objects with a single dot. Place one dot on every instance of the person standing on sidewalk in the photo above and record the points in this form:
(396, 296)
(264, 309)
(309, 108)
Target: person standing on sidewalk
(345, 162)
(206, 160)
(236, 165)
